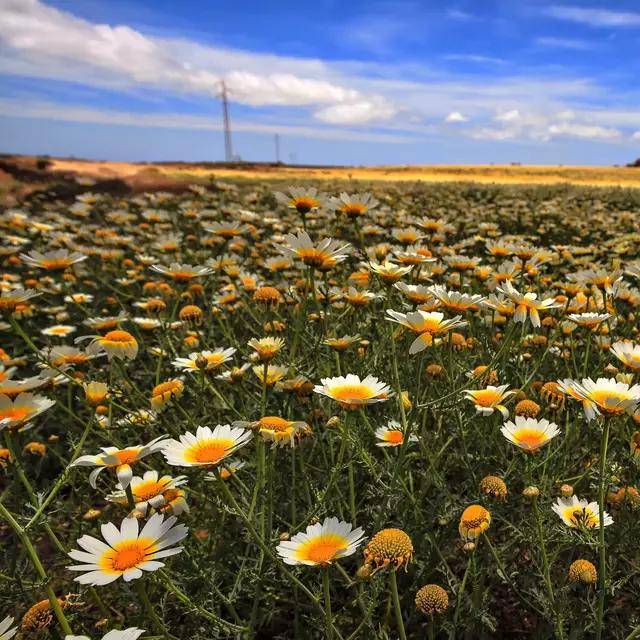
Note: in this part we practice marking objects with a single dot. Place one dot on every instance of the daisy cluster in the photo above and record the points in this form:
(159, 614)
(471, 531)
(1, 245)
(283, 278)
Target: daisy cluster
(316, 412)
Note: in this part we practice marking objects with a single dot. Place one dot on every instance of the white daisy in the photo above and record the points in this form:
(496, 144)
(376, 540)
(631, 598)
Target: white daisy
(210, 359)
(128, 551)
(529, 433)
(489, 399)
(119, 459)
(25, 407)
(207, 447)
(321, 544)
(576, 513)
(6, 632)
(132, 633)
(392, 435)
(150, 491)
(350, 391)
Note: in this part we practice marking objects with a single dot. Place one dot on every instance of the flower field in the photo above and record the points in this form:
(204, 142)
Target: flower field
(257, 410)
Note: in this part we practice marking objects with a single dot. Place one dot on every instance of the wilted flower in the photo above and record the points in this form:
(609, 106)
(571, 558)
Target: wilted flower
(474, 521)
(389, 548)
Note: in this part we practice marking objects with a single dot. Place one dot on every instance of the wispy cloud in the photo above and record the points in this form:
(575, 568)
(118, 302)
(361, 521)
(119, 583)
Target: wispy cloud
(17, 108)
(536, 126)
(463, 16)
(564, 43)
(472, 57)
(455, 116)
(594, 17)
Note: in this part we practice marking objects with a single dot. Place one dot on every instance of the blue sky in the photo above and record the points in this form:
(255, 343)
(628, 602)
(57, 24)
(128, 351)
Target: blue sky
(377, 82)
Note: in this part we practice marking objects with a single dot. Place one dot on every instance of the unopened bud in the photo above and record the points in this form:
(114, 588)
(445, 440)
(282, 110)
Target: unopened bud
(333, 422)
(566, 490)
(364, 572)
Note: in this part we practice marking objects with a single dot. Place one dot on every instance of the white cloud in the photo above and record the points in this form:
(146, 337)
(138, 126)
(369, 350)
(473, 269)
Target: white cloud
(472, 57)
(636, 136)
(17, 108)
(591, 132)
(463, 16)
(540, 127)
(574, 44)
(456, 116)
(356, 112)
(53, 43)
(594, 17)
(508, 116)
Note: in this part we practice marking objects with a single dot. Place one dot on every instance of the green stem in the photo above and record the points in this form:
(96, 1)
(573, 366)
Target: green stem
(602, 569)
(37, 564)
(460, 594)
(62, 479)
(232, 502)
(352, 493)
(430, 629)
(156, 622)
(505, 576)
(29, 489)
(545, 566)
(186, 600)
(327, 604)
(393, 582)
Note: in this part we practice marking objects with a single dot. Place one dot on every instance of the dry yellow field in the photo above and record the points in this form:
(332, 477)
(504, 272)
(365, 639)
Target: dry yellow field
(487, 174)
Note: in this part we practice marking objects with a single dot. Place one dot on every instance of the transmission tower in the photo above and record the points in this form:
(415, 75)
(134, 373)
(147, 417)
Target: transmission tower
(228, 150)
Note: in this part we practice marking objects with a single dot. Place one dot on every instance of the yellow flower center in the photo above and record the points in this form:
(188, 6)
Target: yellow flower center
(57, 263)
(531, 438)
(126, 555)
(429, 325)
(304, 204)
(322, 549)
(14, 413)
(73, 359)
(394, 436)
(118, 337)
(486, 397)
(609, 401)
(182, 275)
(209, 451)
(274, 423)
(581, 517)
(169, 387)
(352, 392)
(148, 489)
(475, 516)
(127, 456)
(354, 209)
